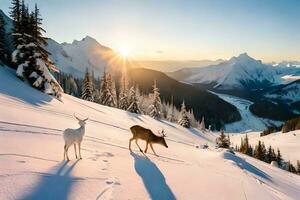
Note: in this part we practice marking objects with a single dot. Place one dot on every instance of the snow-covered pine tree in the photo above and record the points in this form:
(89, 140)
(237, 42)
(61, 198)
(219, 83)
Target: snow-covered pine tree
(103, 89)
(155, 107)
(202, 124)
(111, 98)
(184, 119)
(3, 46)
(171, 112)
(193, 121)
(32, 65)
(164, 110)
(87, 87)
(123, 95)
(133, 101)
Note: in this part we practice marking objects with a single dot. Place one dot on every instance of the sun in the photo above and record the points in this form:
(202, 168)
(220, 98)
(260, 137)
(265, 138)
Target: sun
(124, 51)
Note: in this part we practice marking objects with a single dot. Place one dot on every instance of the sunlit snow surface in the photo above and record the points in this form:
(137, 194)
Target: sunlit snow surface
(31, 152)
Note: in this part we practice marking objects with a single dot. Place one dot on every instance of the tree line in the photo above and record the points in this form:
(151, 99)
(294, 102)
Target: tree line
(125, 95)
(267, 155)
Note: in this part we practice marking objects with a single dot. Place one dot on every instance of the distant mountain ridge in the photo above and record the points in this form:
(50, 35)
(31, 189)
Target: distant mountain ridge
(241, 72)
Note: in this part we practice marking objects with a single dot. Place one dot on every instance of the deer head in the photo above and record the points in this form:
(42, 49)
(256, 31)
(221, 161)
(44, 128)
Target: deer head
(162, 140)
(81, 122)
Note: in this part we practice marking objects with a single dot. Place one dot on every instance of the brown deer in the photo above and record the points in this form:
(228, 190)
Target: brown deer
(147, 135)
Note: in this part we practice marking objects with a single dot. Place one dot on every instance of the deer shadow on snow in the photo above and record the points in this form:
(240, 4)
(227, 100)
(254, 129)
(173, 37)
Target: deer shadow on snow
(56, 185)
(153, 179)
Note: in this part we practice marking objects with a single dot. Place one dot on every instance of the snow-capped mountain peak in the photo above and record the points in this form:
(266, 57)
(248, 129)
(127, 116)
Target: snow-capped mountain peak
(244, 58)
(239, 72)
(76, 57)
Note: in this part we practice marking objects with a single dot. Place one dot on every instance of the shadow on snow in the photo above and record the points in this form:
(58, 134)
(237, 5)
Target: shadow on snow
(54, 186)
(152, 177)
(246, 166)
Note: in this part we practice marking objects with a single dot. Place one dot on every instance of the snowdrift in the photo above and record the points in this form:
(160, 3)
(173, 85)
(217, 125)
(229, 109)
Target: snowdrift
(31, 152)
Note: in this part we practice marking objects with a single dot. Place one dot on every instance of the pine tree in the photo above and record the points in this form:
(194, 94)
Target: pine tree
(279, 158)
(32, 66)
(156, 107)
(193, 121)
(111, 98)
(223, 141)
(202, 124)
(3, 48)
(269, 155)
(87, 87)
(298, 166)
(290, 167)
(171, 112)
(15, 14)
(264, 152)
(37, 33)
(184, 119)
(259, 151)
(133, 101)
(103, 89)
(123, 95)
(245, 146)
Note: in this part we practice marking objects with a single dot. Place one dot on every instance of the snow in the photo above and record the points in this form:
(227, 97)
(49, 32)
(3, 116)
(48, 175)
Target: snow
(289, 93)
(249, 122)
(240, 72)
(288, 143)
(31, 165)
(75, 57)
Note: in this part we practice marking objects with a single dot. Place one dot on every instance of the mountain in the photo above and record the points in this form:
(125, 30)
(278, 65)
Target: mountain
(242, 72)
(216, 111)
(290, 93)
(74, 58)
(174, 65)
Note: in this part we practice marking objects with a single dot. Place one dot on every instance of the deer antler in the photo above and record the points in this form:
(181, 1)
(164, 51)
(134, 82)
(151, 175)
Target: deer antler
(163, 133)
(85, 119)
(76, 117)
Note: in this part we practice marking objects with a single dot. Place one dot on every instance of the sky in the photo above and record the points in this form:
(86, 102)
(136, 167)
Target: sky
(178, 29)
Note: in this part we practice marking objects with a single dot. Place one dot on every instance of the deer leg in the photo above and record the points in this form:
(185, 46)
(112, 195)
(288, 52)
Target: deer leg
(130, 144)
(66, 149)
(79, 146)
(138, 145)
(64, 152)
(153, 149)
(146, 147)
(75, 151)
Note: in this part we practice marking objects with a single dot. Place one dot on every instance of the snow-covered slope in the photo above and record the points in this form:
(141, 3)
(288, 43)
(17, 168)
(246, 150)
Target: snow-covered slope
(289, 93)
(249, 122)
(31, 151)
(242, 72)
(288, 143)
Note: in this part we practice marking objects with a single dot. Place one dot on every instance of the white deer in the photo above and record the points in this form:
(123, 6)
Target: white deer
(74, 136)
